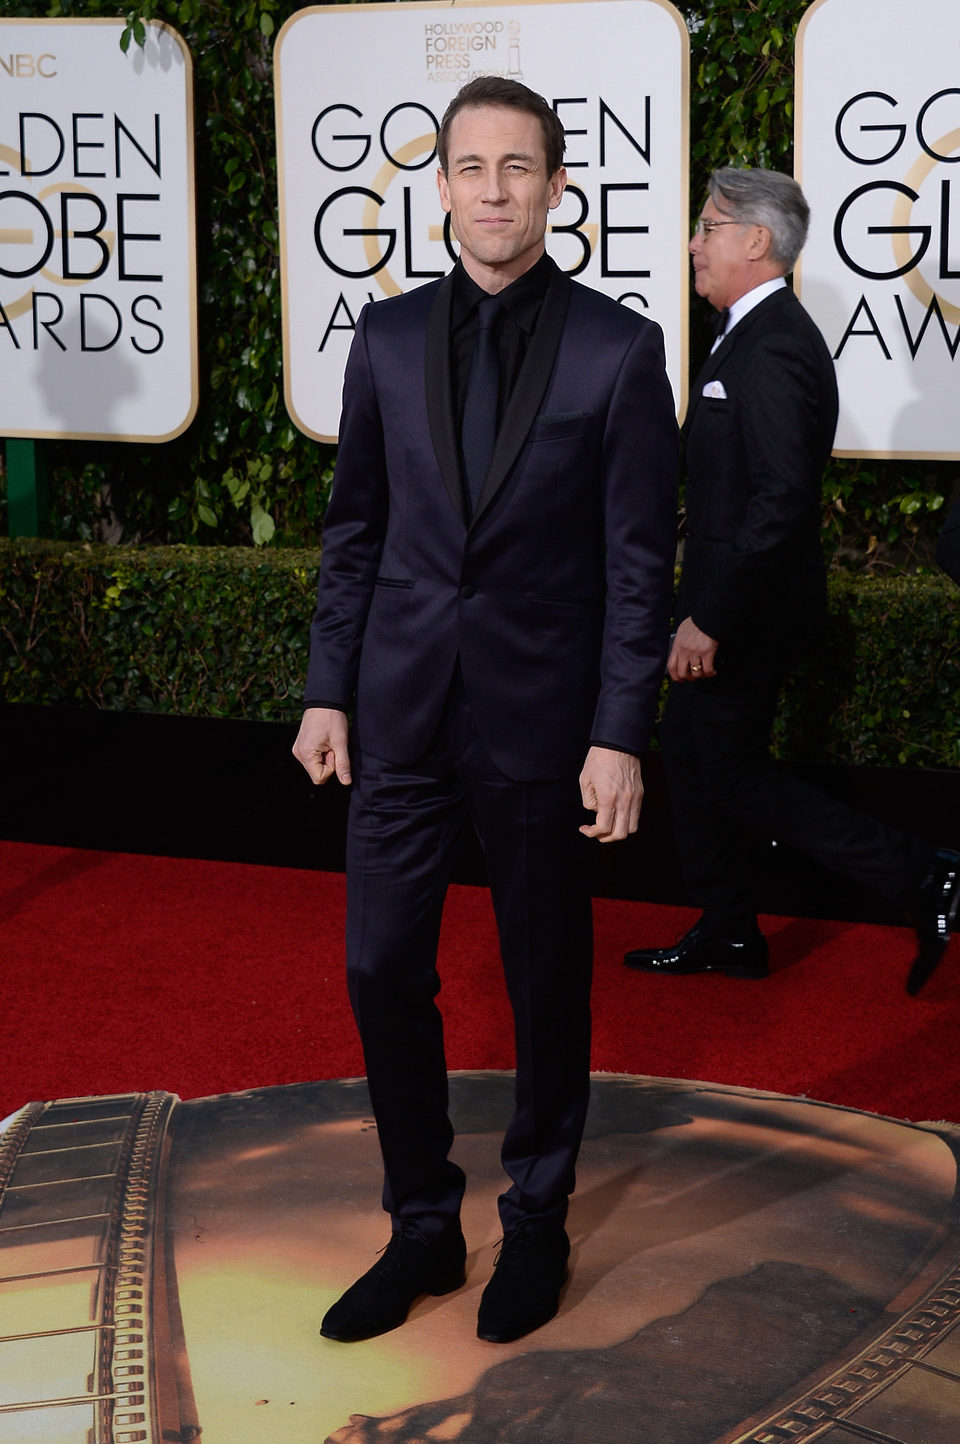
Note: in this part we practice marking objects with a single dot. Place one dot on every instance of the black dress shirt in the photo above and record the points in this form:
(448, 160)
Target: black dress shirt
(520, 303)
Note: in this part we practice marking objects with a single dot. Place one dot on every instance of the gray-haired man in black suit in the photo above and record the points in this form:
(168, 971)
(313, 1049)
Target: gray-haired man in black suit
(753, 597)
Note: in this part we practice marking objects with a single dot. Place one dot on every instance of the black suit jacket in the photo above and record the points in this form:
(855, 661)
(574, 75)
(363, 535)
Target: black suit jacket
(556, 597)
(948, 544)
(753, 575)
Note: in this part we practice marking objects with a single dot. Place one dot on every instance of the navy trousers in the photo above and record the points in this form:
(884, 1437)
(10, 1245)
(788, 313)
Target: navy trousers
(405, 823)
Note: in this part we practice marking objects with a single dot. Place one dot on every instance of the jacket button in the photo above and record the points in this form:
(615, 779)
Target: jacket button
(467, 592)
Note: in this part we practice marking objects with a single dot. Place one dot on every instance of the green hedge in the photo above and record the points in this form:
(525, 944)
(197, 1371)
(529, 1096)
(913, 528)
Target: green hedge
(884, 687)
(222, 632)
(210, 631)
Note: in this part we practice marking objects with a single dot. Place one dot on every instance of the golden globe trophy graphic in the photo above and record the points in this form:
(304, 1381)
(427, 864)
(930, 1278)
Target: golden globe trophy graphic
(514, 70)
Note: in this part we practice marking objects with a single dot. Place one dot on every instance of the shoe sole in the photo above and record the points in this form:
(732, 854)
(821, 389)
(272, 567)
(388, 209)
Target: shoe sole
(511, 1335)
(925, 964)
(728, 972)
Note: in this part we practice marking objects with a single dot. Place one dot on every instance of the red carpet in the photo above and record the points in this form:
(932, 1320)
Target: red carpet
(126, 973)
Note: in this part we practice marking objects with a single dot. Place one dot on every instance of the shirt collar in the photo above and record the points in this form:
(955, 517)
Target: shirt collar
(746, 303)
(522, 299)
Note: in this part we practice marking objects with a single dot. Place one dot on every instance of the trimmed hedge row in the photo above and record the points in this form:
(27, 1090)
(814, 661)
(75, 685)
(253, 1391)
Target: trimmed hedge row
(203, 631)
(883, 689)
(222, 632)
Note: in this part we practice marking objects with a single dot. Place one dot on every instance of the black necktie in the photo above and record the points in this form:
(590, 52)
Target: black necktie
(481, 401)
(720, 325)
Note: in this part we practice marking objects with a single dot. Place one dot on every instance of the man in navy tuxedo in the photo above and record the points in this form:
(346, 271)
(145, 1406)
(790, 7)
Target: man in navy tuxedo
(493, 605)
(752, 598)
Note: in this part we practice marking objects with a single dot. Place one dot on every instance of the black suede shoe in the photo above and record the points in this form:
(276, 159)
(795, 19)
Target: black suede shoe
(935, 909)
(524, 1291)
(700, 952)
(410, 1265)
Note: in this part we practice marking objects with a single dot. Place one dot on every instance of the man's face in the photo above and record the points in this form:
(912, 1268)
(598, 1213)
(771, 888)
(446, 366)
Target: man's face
(497, 191)
(724, 257)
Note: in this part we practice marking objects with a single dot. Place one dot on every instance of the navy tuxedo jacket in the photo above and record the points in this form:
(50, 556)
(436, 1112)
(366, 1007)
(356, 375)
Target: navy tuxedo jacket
(753, 574)
(555, 597)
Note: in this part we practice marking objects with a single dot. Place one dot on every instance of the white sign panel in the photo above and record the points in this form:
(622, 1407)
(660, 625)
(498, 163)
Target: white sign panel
(97, 235)
(360, 93)
(878, 156)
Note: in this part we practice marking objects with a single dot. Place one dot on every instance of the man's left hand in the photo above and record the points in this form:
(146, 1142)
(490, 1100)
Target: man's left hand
(611, 786)
(693, 654)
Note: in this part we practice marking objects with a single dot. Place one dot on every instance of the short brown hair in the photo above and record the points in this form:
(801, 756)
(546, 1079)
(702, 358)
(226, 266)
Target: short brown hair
(497, 90)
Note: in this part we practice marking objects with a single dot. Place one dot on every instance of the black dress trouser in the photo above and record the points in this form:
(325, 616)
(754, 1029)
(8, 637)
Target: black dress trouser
(715, 736)
(405, 823)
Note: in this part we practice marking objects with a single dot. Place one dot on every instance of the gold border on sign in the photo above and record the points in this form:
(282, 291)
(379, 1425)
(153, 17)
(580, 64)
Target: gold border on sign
(191, 188)
(421, 5)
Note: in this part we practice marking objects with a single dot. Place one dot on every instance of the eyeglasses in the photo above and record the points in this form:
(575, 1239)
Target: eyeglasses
(707, 228)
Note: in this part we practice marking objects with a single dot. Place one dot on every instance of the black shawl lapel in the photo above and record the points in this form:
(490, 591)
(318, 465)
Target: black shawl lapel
(439, 390)
(529, 391)
(706, 373)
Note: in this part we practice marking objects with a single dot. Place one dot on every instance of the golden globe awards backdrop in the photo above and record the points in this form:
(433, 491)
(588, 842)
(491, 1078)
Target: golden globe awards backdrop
(878, 156)
(97, 235)
(360, 93)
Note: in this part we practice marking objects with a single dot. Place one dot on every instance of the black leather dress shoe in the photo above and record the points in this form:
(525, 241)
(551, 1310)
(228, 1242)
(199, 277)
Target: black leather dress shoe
(699, 952)
(524, 1291)
(410, 1265)
(935, 910)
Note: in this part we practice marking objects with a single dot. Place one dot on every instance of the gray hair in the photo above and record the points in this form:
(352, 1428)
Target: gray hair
(764, 198)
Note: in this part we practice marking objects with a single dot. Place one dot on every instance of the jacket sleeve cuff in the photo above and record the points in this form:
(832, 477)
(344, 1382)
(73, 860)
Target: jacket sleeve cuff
(612, 747)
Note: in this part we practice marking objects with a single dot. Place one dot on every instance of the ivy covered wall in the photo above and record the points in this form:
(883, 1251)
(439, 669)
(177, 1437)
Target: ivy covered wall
(242, 472)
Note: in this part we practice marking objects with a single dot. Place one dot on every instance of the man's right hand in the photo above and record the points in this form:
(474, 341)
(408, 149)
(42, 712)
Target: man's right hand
(321, 745)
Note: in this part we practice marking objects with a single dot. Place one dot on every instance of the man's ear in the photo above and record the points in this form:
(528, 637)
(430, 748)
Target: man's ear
(558, 184)
(444, 189)
(760, 243)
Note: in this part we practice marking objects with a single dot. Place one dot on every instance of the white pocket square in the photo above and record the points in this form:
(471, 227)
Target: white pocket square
(716, 390)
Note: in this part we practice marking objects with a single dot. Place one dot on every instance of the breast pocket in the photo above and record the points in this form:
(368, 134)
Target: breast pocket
(560, 426)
